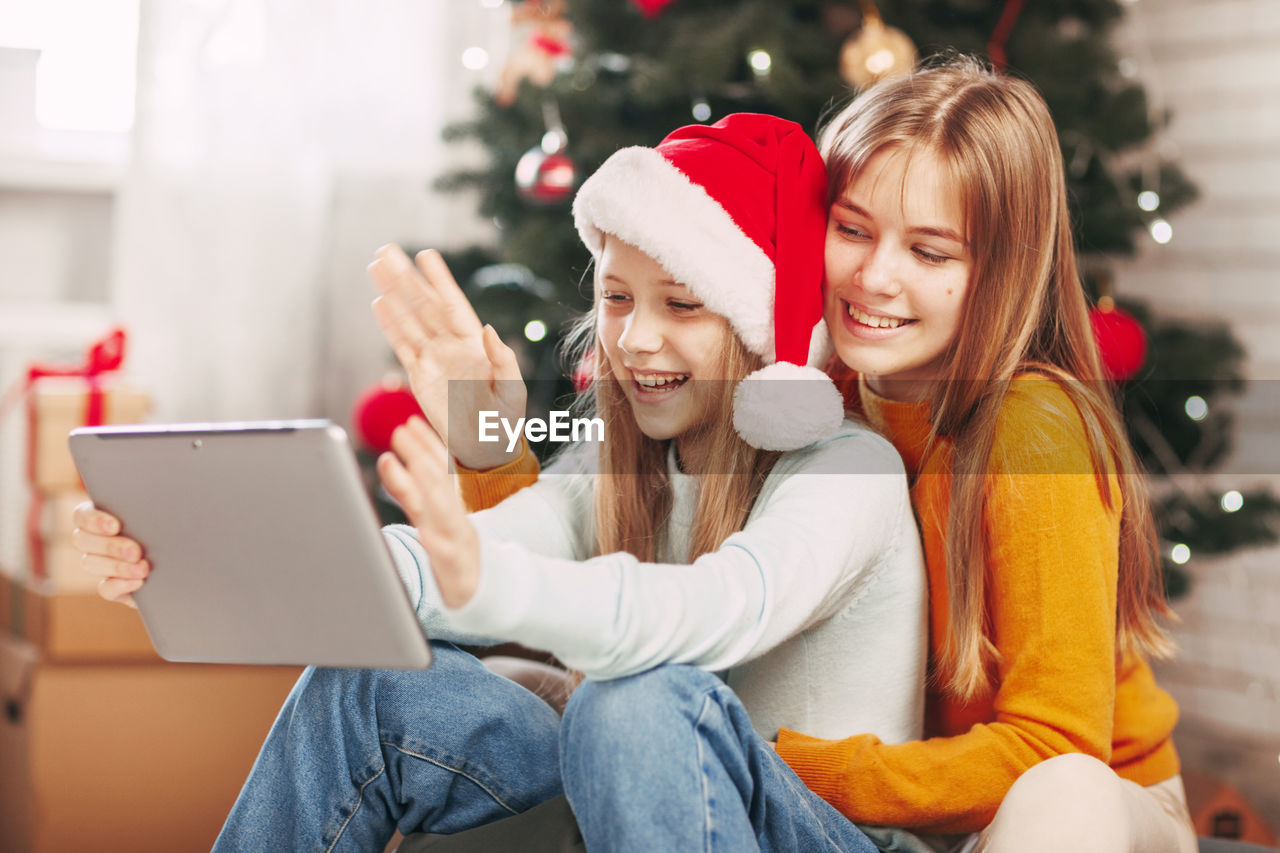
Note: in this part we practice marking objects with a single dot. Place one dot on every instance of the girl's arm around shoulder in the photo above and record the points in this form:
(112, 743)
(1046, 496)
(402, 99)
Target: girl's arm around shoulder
(827, 518)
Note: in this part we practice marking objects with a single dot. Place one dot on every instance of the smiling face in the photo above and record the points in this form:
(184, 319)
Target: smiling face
(658, 338)
(897, 270)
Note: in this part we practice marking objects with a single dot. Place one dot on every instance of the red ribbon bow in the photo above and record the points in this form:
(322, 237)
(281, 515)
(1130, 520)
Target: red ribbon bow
(104, 356)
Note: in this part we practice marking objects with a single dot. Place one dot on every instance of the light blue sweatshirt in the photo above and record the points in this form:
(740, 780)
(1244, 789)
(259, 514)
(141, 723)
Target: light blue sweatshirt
(814, 613)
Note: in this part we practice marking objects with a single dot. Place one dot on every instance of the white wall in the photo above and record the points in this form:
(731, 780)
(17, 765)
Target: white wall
(276, 144)
(57, 209)
(262, 183)
(1214, 64)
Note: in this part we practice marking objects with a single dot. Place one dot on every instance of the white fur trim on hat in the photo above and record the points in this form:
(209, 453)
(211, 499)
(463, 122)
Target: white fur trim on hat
(641, 198)
(785, 407)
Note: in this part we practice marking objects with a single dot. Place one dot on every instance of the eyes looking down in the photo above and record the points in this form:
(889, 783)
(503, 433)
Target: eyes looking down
(897, 269)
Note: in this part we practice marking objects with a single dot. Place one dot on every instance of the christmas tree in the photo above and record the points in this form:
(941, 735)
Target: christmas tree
(587, 77)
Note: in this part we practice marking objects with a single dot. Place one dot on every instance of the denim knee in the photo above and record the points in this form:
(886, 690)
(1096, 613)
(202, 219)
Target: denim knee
(611, 717)
(638, 697)
(406, 706)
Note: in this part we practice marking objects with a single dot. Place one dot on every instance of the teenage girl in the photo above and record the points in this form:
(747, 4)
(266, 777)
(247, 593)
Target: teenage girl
(709, 533)
(957, 313)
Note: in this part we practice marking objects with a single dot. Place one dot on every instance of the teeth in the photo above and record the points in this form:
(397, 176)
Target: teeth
(659, 381)
(875, 321)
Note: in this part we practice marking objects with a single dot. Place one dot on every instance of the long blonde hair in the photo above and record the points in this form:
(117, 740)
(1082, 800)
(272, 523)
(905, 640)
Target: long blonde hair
(1025, 311)
(632, 494)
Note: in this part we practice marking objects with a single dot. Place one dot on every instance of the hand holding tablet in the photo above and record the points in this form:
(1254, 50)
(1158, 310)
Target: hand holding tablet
(261, 546)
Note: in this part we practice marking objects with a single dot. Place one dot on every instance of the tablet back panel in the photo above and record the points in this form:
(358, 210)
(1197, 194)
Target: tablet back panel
(263, 544)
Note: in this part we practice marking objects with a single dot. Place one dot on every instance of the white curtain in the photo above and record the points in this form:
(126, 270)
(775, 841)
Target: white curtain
(277, 144)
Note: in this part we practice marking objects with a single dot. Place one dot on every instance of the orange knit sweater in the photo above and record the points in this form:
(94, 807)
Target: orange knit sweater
(483, 489)
(1051, 604)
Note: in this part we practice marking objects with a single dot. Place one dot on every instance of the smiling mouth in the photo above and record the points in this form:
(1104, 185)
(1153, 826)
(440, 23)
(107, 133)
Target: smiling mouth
(659, 383)
(875, 321)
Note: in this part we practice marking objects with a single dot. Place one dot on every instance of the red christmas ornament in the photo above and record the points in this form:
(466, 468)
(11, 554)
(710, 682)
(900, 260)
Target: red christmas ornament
(379, 410)
(651, 8)
(1122, 342)
(545, 178)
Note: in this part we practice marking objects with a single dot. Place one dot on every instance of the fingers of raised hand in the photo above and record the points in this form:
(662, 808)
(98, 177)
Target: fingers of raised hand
(416, 473)
(396, 277)
(455, 313)
(421, 451)
(407, 338)
(424, 294)
(404, 307)
(502, 358)
(401, 485)
(434, 337)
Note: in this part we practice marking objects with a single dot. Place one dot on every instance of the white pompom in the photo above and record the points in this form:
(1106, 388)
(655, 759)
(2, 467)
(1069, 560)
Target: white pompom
(785, 407)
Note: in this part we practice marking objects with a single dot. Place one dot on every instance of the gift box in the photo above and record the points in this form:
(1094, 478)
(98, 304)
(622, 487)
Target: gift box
(72, 627)
(57, 524)
(61, 566)
(126, 756)
(58, 404)
(59, 399)
(6, 605)
(57, 559)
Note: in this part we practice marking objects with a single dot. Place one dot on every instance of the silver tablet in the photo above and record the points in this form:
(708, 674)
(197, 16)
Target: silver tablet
(264, 546)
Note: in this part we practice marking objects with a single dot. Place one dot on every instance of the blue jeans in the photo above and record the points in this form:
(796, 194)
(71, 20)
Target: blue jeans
(356, 754)
(665, 760)
(668, 760)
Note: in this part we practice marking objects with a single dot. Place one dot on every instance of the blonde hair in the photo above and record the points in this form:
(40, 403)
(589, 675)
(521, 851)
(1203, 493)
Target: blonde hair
(632, 494)
(1025, 311)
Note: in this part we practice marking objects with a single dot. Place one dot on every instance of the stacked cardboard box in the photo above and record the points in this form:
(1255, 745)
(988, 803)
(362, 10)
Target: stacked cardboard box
(106, 747)
(56, 405)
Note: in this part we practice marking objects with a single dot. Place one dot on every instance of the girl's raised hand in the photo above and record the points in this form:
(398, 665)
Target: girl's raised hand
(437, 337)
(117, 561)
(417, 476)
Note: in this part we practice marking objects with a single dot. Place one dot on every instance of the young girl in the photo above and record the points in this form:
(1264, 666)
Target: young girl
(954, 302)
(710, 528)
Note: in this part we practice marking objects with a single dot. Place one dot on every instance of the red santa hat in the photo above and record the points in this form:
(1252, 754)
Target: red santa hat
(736, 211)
